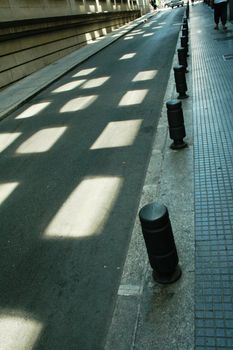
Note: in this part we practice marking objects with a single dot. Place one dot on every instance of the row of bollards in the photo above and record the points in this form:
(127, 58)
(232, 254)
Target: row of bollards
(179, 71)
(154, 217)
(174, 107)
(187, 10)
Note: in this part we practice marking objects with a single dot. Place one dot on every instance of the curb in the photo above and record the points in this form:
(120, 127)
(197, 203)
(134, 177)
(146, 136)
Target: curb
(137, 287)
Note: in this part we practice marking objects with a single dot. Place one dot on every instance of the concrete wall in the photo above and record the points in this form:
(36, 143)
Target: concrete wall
(23, 9)
(34, 33)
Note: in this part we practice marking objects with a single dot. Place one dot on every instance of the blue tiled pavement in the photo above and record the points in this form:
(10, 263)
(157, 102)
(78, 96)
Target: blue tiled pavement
(212, 75)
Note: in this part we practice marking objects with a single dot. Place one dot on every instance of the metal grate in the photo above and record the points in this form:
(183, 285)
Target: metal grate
(224, 39)
(228, 57)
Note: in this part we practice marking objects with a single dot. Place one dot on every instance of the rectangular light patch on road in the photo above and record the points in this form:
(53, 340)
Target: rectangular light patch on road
(41, 141)
(86, 210)
(148, 34)
(133, 97)
(5, 191)
(69, 86)
(78, 104)
(145, 75)
(127, 56)
(93, 83)
(136, 32)
(6, 139)
(18, 332)
(84, 72)
(33, 110)
(157, 27)
(118, 134)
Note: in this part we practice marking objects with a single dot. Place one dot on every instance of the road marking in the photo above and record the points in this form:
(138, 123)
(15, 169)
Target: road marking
(129, 290)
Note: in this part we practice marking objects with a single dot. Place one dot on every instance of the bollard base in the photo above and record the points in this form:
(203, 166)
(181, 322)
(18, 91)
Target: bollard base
(179, 145)
(182, 96)
(167, 279)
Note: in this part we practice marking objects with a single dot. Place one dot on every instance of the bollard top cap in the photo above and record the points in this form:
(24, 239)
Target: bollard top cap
(173, 104)
(153, 215)
(181, 49)
(179, 68)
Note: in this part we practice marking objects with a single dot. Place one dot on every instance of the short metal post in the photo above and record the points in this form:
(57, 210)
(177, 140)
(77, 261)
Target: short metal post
(187, 10)
(185, 33)
(184, 43)
(176, 124)
(185, 20)
(185, 25)
(182, 58)
(181, 86)
(160, 244)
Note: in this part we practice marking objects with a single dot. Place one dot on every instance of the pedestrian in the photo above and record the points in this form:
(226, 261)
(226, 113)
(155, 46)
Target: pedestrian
(153, 4)
(220, 12)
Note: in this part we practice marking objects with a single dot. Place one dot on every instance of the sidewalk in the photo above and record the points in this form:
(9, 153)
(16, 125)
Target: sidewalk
(212, 116)
(196, 185)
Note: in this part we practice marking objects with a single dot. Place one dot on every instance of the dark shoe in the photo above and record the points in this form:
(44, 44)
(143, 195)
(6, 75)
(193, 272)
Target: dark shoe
(224, 28)
(216, 27)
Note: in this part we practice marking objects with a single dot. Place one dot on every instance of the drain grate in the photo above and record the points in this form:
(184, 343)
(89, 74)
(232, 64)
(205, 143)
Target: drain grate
(228, 57)
(224, 39)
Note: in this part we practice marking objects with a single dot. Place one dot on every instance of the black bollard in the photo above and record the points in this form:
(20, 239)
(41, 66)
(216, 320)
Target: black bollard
(185, 33)
(185, 26)
(182, 58)
(185, 21)
(187, 11)
(184, 43)
(160, 244)
(181, 86)
(176, 124)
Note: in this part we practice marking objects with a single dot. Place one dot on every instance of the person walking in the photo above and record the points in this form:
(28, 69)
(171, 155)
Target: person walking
(220, 12)
(153, 4)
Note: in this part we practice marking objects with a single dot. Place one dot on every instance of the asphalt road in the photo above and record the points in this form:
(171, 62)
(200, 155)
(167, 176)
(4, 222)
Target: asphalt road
(73, 162)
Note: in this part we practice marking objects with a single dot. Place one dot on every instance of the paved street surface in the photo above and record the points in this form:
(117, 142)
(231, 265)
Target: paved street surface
(73, 163)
